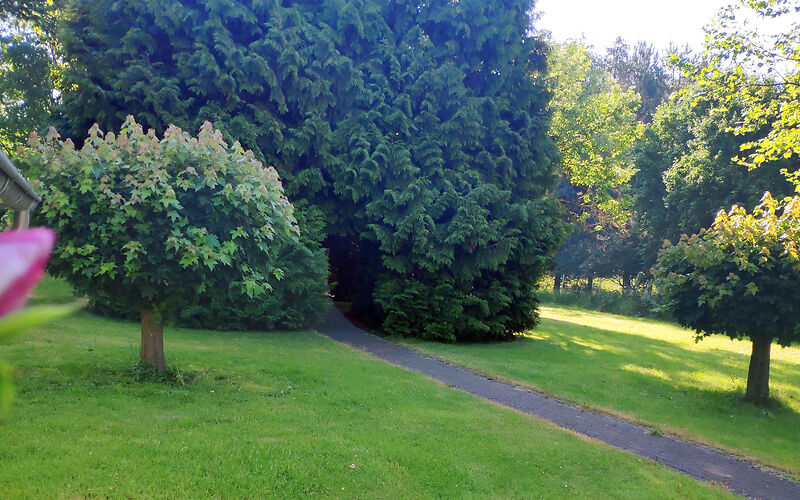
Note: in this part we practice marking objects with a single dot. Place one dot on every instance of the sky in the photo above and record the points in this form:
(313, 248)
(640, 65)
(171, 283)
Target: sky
(602, 21)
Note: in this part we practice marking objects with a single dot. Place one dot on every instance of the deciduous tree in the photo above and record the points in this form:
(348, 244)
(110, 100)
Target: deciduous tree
(29, 70)
(594, 125)
(155, 225)
(687, 171)
(739, 278)
(756, 66)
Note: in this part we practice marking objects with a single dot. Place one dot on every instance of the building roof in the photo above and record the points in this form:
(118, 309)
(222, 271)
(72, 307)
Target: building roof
(15, 192)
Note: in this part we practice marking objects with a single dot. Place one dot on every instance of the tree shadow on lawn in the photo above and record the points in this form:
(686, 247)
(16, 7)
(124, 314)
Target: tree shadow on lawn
(703, 354)
(697, 390)
(691, 390)
(674, 365)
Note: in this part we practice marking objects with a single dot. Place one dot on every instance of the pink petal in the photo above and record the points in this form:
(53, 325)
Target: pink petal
(23, 256)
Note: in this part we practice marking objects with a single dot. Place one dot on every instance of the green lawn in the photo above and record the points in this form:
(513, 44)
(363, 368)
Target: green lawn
(654, 373)
(284, 414)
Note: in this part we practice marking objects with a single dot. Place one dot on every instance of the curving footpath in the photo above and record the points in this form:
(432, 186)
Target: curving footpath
(698, 461)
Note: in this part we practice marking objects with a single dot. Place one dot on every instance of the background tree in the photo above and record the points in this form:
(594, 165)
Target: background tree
(416, 131)
(739, 278)
(758, 69)
(29, 70)
(642, 68)
(616, 254)
(571, 261)
(25, 10)
(687, 170)
(156, 225)
(594, 125)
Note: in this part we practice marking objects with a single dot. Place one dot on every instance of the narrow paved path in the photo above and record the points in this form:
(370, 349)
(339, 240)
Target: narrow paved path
(700, 462)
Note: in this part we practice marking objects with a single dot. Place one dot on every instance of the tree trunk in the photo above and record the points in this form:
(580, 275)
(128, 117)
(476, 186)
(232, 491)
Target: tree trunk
(152, 351)
(557, 282)
(758, 374)
(590, 284)
(626, 282)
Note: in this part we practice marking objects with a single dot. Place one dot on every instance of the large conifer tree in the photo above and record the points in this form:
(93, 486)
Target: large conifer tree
(417, 130)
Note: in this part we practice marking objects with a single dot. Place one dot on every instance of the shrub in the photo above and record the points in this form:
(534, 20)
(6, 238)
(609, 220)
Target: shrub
(157, 226)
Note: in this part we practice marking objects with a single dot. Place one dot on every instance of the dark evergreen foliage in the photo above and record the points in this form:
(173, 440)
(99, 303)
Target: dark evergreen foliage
(417, 130)
(641, 67)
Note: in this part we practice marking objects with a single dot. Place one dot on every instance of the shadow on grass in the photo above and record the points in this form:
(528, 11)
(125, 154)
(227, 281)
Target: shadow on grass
(657, 381)
(623, 349)
(678, 388)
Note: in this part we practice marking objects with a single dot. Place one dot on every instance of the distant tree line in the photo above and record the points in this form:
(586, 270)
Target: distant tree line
(711, 222)
(682, 170)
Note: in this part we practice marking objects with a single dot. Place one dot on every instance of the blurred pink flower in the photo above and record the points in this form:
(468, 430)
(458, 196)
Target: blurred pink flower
(23, 256)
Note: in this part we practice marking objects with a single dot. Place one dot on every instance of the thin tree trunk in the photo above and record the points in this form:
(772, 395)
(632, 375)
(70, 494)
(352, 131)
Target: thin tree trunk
(557, 282)
(626, 282)
(758, 374)
(589, 284)
(152, 351)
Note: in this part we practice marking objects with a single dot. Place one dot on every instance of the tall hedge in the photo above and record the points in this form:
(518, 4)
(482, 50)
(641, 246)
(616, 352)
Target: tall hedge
(417, 130)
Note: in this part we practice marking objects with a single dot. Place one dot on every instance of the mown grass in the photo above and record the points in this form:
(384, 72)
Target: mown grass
(283, 414)
(636, 303)
(652, 372)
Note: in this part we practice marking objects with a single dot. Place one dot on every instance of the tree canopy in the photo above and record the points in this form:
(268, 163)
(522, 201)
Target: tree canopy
(687, 170)
(640, 67)
(594, 125)
(29, 71)
(758, 68)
